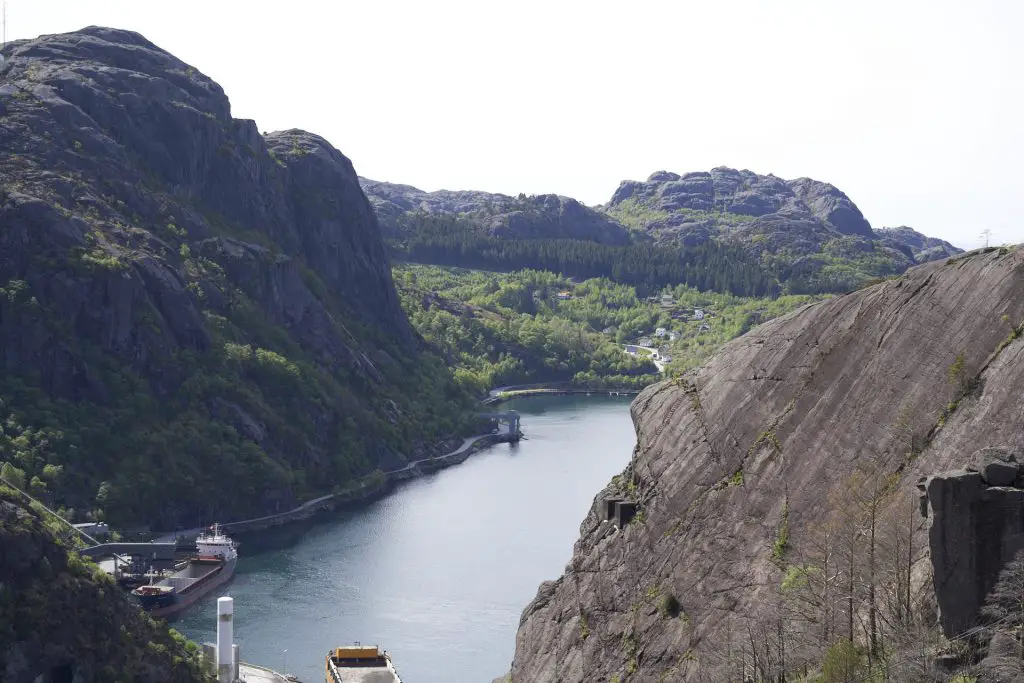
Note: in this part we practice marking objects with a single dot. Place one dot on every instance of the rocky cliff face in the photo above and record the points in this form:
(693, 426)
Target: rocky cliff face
(534, 217)
(804, 230)
(977, 528)
(737, 194)
(921, 247)
(741, 464)
(186, 300)
(62, 618)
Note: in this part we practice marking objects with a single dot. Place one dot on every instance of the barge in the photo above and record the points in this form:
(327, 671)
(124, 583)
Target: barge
(359, 664)
(213, 566)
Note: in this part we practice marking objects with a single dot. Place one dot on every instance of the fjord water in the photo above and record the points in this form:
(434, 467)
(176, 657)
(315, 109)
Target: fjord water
(439, 571)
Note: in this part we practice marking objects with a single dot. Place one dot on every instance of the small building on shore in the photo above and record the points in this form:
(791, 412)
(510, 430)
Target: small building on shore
(98, 530)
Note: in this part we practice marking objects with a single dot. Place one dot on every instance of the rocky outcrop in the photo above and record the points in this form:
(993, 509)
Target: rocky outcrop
(535, 217)
(799, 227)
(739, 463)
(921, 247)
(977, 526)
(185, 296)
(63, 618)
(831, 206)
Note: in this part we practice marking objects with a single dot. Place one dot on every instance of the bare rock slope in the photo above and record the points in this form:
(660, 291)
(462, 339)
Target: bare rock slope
(916, 374)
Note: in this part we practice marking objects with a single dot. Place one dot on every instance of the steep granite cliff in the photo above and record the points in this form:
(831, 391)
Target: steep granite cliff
(786, 458)
(187, 303)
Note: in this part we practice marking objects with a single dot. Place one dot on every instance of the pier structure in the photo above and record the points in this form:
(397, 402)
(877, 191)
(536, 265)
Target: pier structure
(156, 555)
(507, 424)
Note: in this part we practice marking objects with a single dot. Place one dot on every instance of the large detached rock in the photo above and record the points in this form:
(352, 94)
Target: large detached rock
(976, 528)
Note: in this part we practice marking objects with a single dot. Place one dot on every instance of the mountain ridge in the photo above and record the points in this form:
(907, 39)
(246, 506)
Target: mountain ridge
(187, 301)
(805, 232)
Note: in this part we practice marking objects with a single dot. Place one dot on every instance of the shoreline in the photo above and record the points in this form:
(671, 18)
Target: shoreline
(376, 485)
(553, 390)
(372, 487)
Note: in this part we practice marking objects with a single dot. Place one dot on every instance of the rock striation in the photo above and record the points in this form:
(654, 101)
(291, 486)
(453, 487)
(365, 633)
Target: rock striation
(739, 462)
(186, 300)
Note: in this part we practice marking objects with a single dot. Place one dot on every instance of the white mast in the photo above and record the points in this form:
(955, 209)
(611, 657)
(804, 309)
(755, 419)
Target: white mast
(225, 640)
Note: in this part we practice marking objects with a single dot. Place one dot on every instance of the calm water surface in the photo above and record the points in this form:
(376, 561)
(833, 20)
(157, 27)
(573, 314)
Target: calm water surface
(439, 571)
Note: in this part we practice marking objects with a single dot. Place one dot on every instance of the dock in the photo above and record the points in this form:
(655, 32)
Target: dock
(250, 673)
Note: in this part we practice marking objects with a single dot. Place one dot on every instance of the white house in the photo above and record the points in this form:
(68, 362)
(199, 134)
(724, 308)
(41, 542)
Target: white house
(698, 314)
(673, 335)
(660, 332)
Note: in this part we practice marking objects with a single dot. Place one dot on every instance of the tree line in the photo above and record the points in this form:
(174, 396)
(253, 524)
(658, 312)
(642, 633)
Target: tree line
(451, 241)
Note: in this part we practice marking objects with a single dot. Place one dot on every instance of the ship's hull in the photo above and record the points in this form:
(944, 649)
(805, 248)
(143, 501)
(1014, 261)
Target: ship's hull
(169, 606)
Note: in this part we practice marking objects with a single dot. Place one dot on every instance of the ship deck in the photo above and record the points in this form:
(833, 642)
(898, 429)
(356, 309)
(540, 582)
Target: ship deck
(367, 674)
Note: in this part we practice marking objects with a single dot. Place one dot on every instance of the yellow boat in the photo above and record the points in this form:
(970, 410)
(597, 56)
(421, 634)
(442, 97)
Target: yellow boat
(360, 664)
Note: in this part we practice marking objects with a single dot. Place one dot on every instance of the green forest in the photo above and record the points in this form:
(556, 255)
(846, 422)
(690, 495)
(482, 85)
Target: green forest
(55, 602)
(499, 329)
(256, 408)
(454, 241)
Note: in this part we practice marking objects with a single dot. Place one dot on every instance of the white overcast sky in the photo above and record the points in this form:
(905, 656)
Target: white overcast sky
(914, 108)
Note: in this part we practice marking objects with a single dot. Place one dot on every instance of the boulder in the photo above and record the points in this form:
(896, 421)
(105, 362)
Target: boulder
(980, 459)
(1000, 473)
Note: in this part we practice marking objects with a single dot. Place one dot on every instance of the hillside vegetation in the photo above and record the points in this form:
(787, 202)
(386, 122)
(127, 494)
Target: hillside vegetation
(501, 329)
(61, 616)
(725, 230)
(197, 321)
(458, 241)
